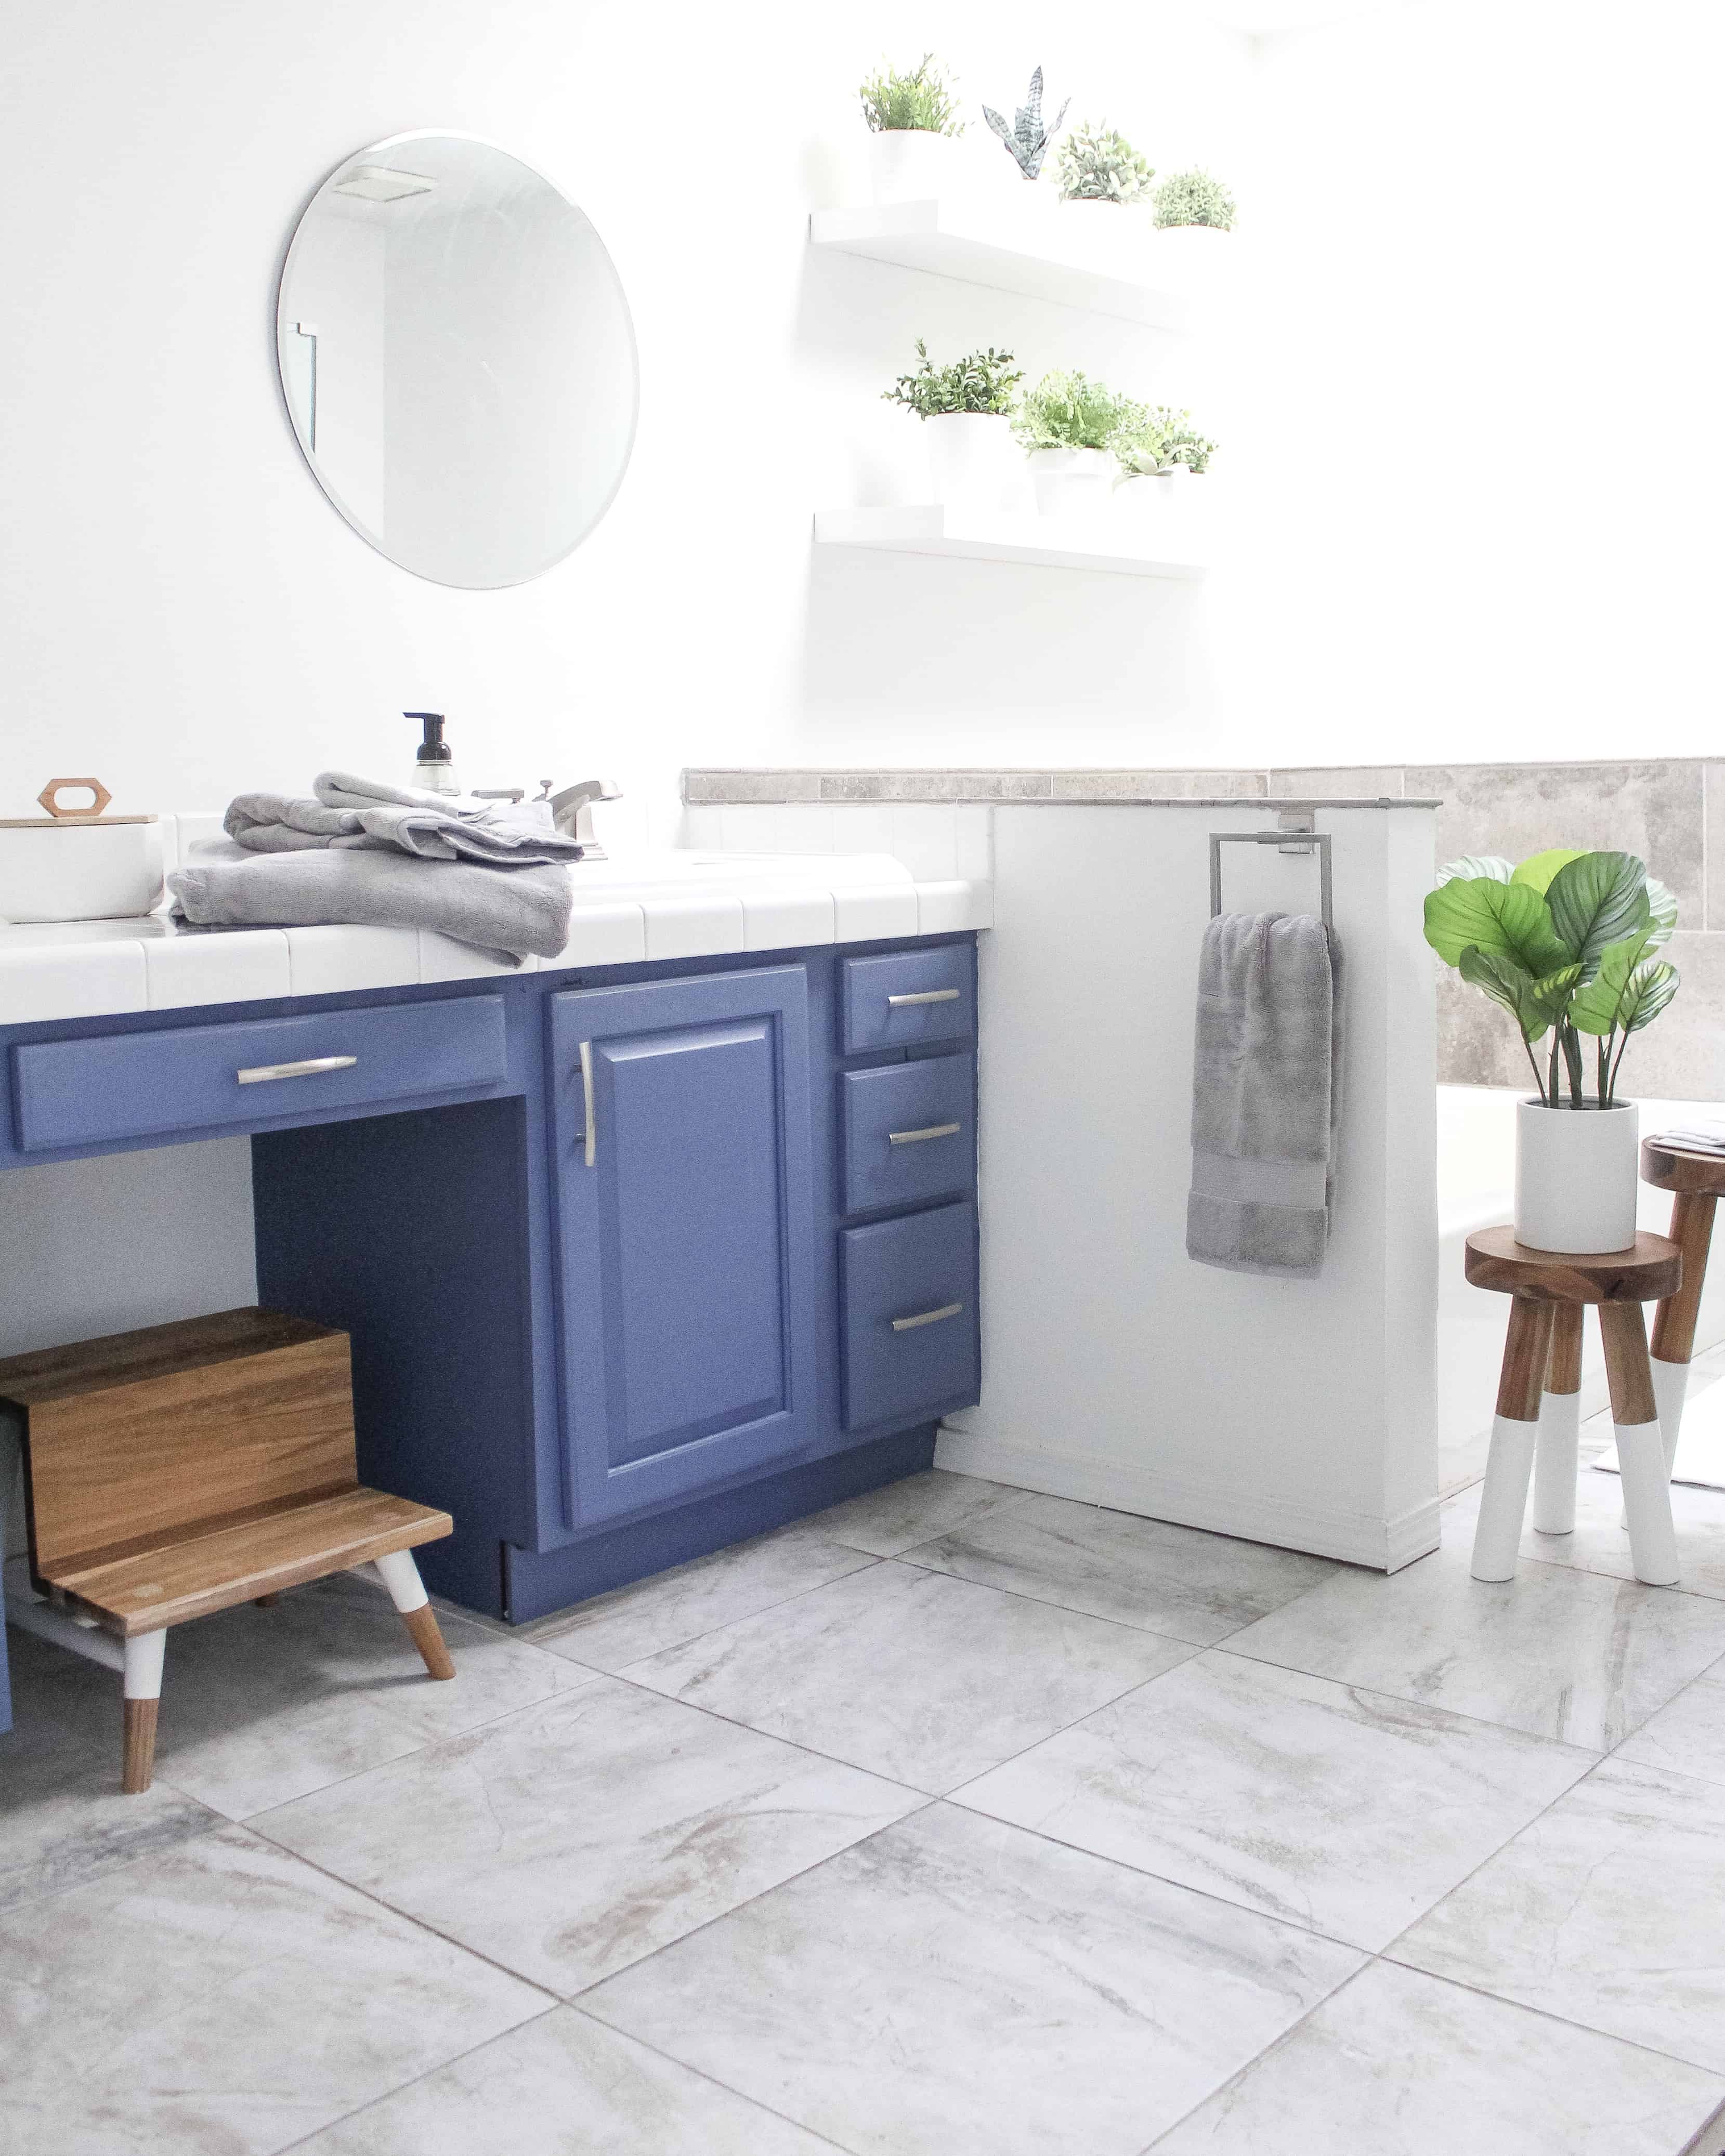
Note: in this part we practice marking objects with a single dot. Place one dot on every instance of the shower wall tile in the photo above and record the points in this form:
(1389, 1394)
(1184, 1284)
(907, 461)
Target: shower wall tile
(1367, 781)
(1156, 785)
(1713, 784)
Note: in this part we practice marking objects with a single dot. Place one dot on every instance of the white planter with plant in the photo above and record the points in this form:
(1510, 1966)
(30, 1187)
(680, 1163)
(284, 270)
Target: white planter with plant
(1566, 944)
(1104, 185)
(1194, 217)
(913, 133)
(1158, 454)
(968, 409)
(1067, 424)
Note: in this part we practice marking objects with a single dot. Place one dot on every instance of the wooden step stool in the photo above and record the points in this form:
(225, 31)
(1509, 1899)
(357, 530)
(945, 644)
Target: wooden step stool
(180, 1470)
(1542, 1355)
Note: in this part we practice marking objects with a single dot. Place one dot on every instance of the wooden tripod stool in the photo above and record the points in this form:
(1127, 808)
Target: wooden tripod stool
(1550, 1289)
(1695, 1180)
(186, 1468)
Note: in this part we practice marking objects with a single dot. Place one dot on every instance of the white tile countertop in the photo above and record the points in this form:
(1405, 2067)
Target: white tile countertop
(644, 907)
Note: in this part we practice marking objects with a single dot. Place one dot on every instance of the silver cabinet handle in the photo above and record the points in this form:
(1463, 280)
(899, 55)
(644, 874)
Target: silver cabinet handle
(926, 1317)
(265, 1074)
(586, 1098)
(916, 1137)
(924, 996)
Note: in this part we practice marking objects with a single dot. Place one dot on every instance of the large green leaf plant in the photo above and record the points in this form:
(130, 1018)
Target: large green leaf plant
(1566, 944)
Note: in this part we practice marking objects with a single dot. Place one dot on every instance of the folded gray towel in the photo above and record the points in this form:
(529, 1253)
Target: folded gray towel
(1265, 1095)
(508, 915)
(367, 814)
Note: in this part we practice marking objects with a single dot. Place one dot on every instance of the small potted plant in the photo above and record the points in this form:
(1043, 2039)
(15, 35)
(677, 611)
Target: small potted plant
(913, 125)
(1099, 174)
(967, 405)
(1029, 137)
(1193, 211)
(1068, 424)
(1155, 453)
(1566, 944)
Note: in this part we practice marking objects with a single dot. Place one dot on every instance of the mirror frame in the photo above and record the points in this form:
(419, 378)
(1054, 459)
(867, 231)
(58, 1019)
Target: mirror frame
(373, 150)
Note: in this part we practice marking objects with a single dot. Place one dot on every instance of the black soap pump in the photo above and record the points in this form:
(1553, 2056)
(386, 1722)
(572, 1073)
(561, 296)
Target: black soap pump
(434, 771)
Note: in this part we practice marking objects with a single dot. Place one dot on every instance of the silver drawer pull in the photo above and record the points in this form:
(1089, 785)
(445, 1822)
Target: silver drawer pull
(916, 1137)
(313, 1066)
(926, 1317)
(924, 996)
(587, 1100)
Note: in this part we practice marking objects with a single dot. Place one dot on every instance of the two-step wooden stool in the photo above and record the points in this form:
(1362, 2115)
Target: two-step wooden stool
(1542, 1357)
(181, 1470)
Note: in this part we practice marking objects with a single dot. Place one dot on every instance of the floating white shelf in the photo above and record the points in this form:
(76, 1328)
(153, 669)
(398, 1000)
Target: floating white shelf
(1006, 245)
(1055, 542)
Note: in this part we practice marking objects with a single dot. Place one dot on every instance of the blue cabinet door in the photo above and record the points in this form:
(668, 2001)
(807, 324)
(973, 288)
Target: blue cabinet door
(683, 1182)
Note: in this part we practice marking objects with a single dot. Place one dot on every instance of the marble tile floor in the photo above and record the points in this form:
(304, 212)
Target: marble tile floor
(956, 1821)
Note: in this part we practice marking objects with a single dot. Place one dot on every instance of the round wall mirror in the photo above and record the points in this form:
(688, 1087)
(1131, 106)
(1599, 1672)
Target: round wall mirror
(458, 359)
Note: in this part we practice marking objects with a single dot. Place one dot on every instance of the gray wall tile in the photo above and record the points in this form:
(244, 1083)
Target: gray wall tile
(1157, 785)
(1713, 782)
(1367, 781)
(740, 786)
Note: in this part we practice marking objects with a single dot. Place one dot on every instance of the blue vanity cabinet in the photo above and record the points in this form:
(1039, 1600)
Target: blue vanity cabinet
(682, 1179)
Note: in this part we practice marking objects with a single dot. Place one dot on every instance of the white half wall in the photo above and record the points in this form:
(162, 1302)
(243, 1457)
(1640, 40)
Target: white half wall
(1114, 1368)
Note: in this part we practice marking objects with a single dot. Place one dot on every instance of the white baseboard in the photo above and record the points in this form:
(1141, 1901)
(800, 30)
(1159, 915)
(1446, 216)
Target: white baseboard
(1385, 1545)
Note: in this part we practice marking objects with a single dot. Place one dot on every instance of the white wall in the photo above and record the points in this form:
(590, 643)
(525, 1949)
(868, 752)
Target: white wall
(1484, 421)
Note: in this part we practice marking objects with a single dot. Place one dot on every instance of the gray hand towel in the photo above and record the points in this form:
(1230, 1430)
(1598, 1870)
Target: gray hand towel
(1266, 1092)
(367, 815)
(510, 916)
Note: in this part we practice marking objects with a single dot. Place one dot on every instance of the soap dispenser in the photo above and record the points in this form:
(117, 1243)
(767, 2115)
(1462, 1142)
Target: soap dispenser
(434, 771)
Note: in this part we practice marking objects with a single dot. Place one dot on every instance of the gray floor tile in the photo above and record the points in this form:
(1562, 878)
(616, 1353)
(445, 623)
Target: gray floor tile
(573, 1837)
(1346, 1811)
(889, 1521)
(564, 2086)
(222, 1998)
(1610, 1910)
(1398, 2064)
(911, 1674)
(261, 1706)
(1553, 1651)
(614, 1629)
(63, 1819)
(1687, 1737)
(1148, 1573)
(954, 1986)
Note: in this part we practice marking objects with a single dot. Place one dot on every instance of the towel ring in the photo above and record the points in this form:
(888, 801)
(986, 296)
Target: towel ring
(1289, 842)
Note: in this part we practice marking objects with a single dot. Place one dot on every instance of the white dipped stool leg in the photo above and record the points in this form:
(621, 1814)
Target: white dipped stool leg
(1503, 1501)
(1670, 1387)
(1640, 1449)
(1557, 1460)
(401, 1576)
(141, 1686)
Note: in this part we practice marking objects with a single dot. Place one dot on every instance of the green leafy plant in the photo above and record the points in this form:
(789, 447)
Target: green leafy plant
(1195, 198)
(980, 382)
(1069, 411)
(1027, 138)
(1161, 440)
(1097, 164)
(919, 102)
(1564, 943)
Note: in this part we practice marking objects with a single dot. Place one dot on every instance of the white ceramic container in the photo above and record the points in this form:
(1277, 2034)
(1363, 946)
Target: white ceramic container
(1576, 1176)
(974, 461)
(1110, 235)
(910, 164)
(1189, 259)
(1072, 482)
(106, 870)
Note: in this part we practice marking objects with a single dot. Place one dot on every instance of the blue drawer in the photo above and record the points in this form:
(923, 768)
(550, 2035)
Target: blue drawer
(907, 997)
(909, 1290)
(910, 1132)
(214, 1077)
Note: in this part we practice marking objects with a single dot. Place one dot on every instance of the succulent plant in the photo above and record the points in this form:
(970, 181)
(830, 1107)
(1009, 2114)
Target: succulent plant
(1069, 411)
(1027, 138)
(1160, 440)
(1098, 164)
(1195, 198)
(980, 382)
(919, 102)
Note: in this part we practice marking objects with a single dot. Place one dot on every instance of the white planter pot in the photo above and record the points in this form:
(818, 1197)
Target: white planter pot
(909, 164)
(1071, 482)
(72, 871)
(1112, 234)
(1189, 258)
(973, 460)
(1576, 1174)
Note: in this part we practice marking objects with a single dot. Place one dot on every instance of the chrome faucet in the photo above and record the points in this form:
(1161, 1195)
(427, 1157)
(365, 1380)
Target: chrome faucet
(571, 812)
